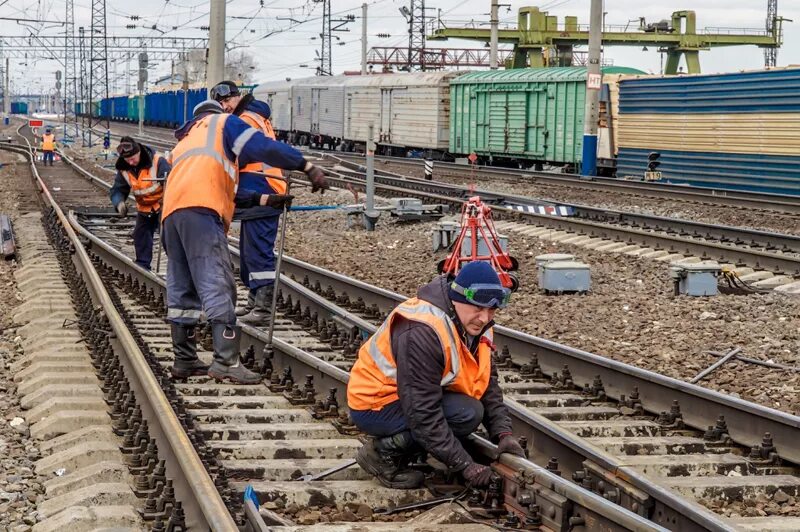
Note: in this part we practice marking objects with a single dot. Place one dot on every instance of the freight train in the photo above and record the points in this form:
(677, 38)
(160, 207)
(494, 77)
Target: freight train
(739, 131)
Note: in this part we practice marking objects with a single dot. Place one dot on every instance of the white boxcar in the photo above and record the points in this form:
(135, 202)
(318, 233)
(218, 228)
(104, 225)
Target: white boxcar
(278, 94)
(407, 110)
(317, 106)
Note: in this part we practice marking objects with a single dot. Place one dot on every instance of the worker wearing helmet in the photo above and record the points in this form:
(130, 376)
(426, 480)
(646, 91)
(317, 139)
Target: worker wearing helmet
(48, 146)
(426, 379)
(142, 173)
(198, 209)
(259, 225)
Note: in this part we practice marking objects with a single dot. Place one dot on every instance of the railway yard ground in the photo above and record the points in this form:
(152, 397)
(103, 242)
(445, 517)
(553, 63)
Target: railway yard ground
(630, 315)
(95, 434)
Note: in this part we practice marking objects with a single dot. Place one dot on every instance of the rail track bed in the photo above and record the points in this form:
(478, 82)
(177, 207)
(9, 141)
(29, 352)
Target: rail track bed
(654, 446)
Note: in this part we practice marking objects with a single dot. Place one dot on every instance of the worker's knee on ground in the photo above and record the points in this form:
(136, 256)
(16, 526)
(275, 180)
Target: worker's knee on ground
(463, 413)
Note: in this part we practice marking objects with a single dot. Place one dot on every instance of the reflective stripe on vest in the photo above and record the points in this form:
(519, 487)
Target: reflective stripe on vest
(258, 122)
(148, 194)
(373, 378)
(202, 175)
(48, 142)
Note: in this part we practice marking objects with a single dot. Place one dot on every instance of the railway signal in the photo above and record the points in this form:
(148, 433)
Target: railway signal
(653, 163)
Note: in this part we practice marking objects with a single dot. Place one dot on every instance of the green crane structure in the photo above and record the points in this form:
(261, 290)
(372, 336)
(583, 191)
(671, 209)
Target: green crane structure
(537, 33)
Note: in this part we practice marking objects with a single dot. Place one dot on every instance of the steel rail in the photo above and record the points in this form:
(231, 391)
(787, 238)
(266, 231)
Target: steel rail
(203, 506)
(723, 233)
(326, 375)
(724, 253)
(717, 196)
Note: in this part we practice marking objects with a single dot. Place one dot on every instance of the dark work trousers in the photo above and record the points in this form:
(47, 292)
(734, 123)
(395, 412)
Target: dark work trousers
(256, 252)
(462, 412)
(199, 272)
(257, 239)
(143, 231)
(48, 156)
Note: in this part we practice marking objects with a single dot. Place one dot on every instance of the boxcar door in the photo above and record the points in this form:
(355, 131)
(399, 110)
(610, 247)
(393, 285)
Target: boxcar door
(498, 115)
(315, 109)
(516, 122)
(385, 133)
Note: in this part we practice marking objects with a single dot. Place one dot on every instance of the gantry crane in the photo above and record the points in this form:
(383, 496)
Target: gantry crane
(538, 32)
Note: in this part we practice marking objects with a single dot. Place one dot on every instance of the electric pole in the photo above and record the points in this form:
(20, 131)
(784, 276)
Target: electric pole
(6, 91)
(363, 39)
(594, 81)
(494, 36)
(216, 44)
(143, 62)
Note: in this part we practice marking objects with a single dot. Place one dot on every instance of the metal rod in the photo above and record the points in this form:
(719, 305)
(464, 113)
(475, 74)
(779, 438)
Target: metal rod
(370, 201)
(494, 36)
(732, 353)
(758, 362)
(278, 261)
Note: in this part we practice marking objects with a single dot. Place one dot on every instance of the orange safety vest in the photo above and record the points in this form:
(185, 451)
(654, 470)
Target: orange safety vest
(48, 142)
(148, 194)
(260, 123)
(373, 379)
(202, 175)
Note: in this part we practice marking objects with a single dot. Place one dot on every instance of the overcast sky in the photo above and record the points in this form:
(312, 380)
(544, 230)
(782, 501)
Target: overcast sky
(292, 44)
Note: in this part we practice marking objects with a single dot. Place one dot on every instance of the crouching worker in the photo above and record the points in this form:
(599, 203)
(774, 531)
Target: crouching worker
(426, 379)
(141, 172)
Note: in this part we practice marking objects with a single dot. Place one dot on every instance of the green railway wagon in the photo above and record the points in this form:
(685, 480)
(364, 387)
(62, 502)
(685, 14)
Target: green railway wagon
(133, 108)
(532, 114)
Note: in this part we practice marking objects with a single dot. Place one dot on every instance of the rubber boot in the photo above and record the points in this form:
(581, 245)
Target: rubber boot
(251, 302)
(261, 310)
(387, 459)
(184, 345)
(227, 365)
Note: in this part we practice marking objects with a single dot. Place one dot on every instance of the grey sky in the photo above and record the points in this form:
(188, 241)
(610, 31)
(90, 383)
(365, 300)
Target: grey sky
(281, 54)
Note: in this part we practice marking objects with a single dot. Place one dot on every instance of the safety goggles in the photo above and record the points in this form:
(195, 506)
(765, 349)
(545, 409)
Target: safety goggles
(126, 147)
(484, 295)
(223, 91)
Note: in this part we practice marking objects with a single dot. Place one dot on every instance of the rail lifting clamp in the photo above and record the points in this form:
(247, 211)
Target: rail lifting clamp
(484, 245)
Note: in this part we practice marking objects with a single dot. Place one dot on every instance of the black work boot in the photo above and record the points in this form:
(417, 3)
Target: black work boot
(262, 307)
(227, 365)
(387, 458)
(184, 345)
(251, 302)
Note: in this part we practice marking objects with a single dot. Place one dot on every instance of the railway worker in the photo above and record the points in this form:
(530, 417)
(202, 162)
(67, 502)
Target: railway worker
(141, 172)
(426, 379)
(259, 225)
(198, 208)
(48, 146)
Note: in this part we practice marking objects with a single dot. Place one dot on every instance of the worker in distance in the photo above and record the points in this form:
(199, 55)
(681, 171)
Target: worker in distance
(198, 208)
(141, 172)
(426, 379)
(259, 225)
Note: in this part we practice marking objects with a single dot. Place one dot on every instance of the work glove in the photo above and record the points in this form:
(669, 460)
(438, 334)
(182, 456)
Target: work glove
(122, 208)
(509, 444)
(477, 475)
(317, 177)
(277, 201)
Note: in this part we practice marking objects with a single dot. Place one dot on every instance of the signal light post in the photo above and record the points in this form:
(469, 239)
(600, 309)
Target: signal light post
(652, 173)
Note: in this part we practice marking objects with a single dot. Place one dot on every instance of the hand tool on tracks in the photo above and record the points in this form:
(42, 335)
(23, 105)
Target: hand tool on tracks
(278, 262)
(328, 472)
(419, 505)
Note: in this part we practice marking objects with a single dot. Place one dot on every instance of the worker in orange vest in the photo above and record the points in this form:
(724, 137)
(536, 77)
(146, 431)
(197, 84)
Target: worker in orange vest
(143, 173)
(48, 146)
(426, 379)
(198, 209)
(259, 226)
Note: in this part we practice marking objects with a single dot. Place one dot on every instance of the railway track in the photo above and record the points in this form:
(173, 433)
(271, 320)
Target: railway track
(661, 448)
(195, 447)
(760, 250)
(763, 202)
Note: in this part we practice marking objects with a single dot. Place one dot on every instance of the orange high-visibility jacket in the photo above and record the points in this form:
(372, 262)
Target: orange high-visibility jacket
(48, 142)
(262, 124)
(147, 193)
(373, 379)
(202, 175)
